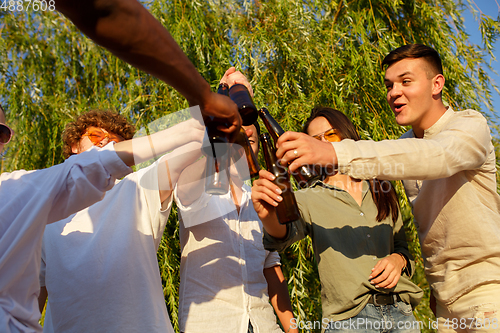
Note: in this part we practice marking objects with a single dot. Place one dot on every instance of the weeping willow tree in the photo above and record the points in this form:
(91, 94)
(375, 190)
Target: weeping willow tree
(297, 54)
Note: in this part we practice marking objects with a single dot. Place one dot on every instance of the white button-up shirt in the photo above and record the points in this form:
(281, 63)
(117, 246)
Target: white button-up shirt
(222, 261)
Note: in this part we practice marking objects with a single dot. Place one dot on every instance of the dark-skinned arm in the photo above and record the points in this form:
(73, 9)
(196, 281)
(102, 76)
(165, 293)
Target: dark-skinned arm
(130, 32)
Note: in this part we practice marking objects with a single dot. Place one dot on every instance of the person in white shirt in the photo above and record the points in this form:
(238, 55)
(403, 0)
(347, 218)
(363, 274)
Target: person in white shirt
(129, 31)
(99, 266)
(227, 278)
(447, 164)
(32, 199)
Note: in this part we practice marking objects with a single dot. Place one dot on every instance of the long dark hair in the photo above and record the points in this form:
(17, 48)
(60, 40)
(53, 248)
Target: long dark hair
(383, 192)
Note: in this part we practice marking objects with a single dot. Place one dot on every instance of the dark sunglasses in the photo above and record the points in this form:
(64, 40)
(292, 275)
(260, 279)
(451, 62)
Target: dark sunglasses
(5, 133)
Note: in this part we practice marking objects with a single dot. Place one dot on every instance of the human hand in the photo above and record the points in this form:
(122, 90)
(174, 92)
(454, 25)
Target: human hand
(301, 149)
(265, 194)
(387, 271)
(232, 77)
(265, 197)
(221, 112)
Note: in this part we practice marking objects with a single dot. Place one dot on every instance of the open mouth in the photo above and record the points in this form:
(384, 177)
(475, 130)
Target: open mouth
(398, 107)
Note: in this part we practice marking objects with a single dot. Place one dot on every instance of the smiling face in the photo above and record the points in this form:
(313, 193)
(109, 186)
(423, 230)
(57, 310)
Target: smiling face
(414, 93)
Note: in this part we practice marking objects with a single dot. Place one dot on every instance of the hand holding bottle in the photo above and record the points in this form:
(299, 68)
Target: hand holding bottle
(298, 149)
(265, 197)
(287, 210)
(304, 175)
(221, 114)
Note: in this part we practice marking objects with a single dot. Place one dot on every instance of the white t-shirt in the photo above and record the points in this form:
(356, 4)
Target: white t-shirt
(99, 266)
(222, 261)
(31, 199)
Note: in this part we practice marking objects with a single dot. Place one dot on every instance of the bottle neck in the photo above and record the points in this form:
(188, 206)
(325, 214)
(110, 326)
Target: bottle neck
(271, 124)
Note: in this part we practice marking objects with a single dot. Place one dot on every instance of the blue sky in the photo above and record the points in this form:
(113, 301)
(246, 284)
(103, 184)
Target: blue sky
(490, 8)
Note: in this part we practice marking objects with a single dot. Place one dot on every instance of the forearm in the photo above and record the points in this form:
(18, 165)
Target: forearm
(142, 149)
(463, 146)
(401, 245)
(131, 33)
(172, 165)
(279, 297)
(272, 225)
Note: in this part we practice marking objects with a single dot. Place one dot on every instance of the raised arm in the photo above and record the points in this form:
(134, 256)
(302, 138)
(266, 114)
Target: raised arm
(190, 182)
(463, 144)
(144, 148)
(130, 32)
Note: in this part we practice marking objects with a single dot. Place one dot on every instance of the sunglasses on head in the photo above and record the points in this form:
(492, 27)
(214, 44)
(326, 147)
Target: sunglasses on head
(329, 135)
(5, 133)
(98, 135)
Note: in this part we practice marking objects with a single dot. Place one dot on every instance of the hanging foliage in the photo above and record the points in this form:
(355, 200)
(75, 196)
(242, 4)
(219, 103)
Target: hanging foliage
(297, 55)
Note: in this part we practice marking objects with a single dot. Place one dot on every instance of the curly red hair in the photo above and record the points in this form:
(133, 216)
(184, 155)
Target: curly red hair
(106, 119)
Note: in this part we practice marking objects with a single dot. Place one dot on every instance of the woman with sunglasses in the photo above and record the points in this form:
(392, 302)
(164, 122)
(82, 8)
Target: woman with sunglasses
(358, 239)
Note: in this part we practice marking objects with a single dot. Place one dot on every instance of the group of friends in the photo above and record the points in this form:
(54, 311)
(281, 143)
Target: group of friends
(80, 242)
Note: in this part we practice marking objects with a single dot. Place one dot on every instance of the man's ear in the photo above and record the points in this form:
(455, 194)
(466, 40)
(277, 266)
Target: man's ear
(437, 84)
(75, 149)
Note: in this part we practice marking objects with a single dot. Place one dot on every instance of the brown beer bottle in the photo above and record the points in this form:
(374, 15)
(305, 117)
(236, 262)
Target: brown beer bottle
(216, 152)
(304, 175)
(217, 175)
(287, 210)
(240, 95)
(253, 164)
(223, 89)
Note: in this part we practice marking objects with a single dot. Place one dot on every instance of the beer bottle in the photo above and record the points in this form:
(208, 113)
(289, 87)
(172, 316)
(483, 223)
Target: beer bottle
(253, 164)
(304, 175)
(215, 150)
(287, 210)
(217, 175)
(223, 89)
(240, 95)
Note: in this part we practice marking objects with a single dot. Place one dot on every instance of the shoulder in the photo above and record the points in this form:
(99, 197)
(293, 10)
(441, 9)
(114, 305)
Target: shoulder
(468, 115)
(468, 121)
(16, 174)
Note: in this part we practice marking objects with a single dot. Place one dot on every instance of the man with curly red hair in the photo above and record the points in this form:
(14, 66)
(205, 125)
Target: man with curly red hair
(99, 266)
(105, 120)
(33, 199)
